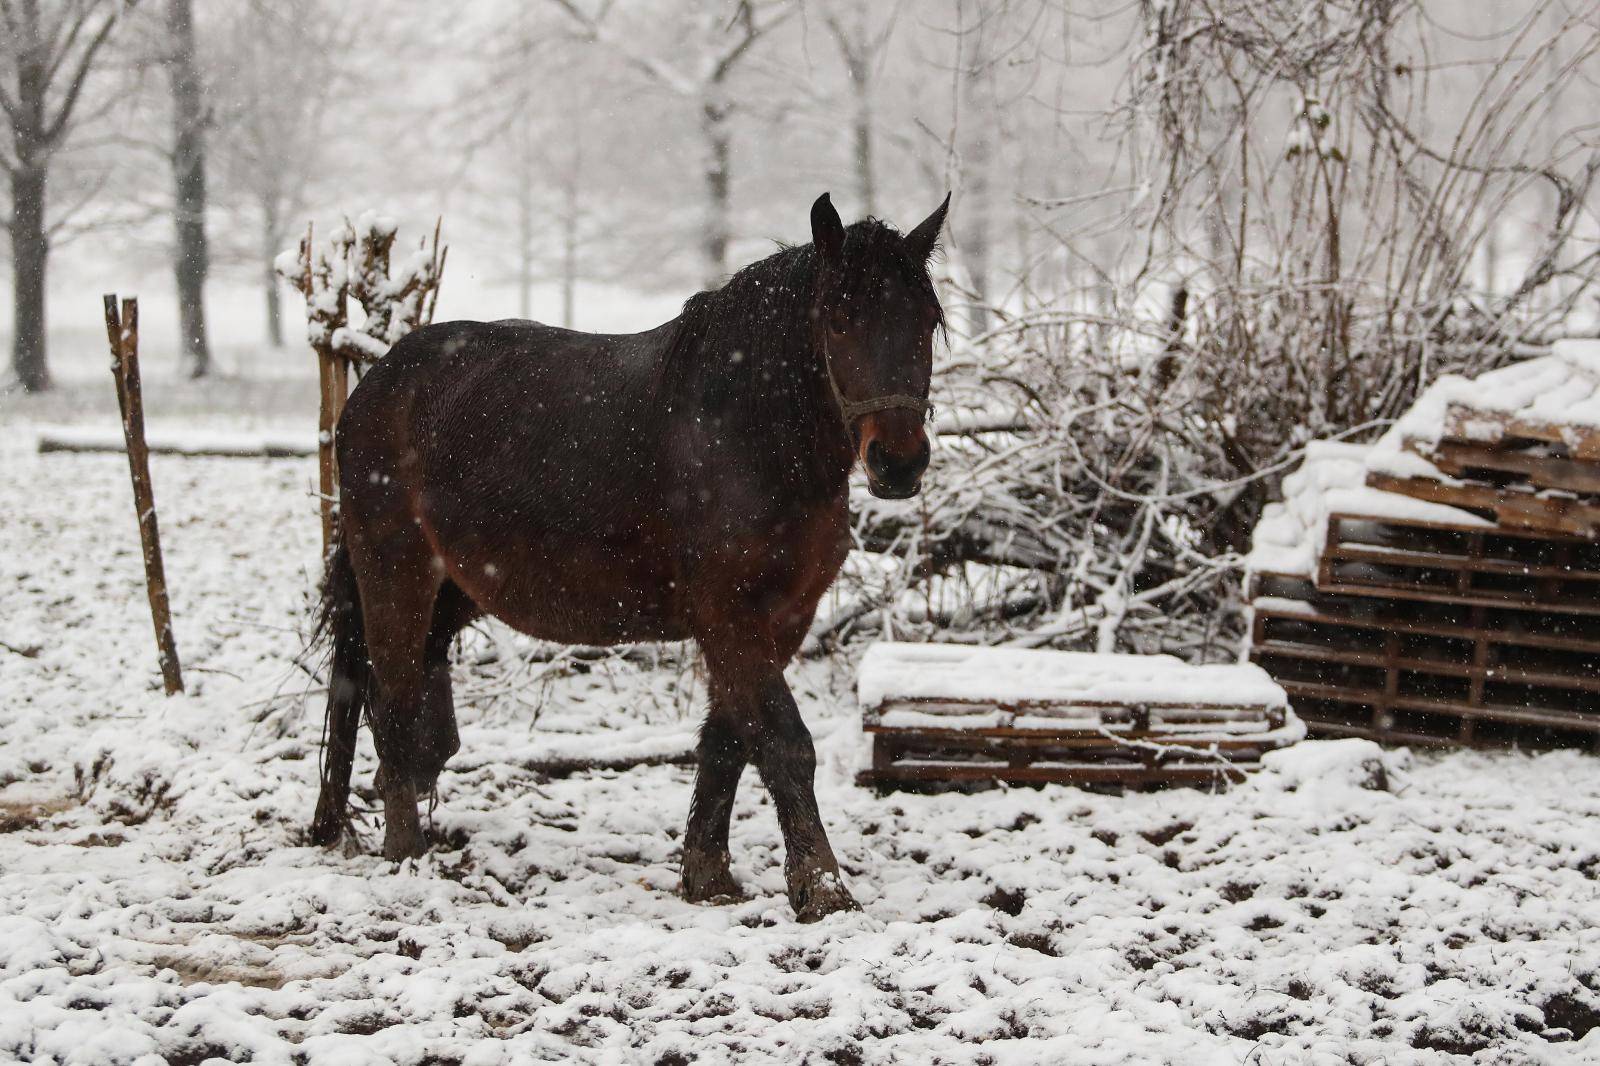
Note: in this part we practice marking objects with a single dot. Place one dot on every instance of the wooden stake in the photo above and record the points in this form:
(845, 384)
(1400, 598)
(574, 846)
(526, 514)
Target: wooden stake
(328, 417)
(123, 333)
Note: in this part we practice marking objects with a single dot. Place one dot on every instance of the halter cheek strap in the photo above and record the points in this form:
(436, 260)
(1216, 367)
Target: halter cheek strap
(854, 409)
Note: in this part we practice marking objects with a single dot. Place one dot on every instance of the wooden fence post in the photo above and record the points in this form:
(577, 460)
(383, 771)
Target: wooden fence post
(123, 333)
(334, 379)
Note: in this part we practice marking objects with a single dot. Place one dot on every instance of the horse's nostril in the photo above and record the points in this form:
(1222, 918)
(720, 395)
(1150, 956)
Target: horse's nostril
(875, 458)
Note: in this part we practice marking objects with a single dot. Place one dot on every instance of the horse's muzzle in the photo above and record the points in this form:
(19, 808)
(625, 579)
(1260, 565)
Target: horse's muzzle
(889, 492)
(895, 477)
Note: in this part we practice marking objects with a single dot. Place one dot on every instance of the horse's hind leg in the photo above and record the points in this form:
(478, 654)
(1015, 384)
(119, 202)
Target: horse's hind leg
(349, 685)
(399, 586)
(440, 738)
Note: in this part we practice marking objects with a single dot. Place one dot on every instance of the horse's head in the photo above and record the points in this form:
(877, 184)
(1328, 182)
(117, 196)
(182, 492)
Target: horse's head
(873, 318)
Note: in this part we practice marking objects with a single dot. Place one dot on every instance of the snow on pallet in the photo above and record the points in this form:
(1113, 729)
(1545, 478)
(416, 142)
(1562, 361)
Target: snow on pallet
(1555, 398)
(1397, 601)
(940, 712)
(1520, 445)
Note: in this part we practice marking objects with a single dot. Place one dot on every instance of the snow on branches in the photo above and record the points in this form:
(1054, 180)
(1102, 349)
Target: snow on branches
(356, 261)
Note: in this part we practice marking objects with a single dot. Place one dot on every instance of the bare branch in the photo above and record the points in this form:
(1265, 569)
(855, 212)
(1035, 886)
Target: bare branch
(54, 128)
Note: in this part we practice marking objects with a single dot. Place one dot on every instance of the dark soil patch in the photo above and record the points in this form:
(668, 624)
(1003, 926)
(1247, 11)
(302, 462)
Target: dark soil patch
(1161, 837)
(1006, 900)
(1237, 891)
(1576, 1016)
(1039, 942)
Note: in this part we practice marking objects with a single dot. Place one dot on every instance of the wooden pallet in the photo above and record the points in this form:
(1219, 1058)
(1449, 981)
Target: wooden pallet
(1470, 425)
(1459, 650)
(1464, 564)
(1541, 465)
(1083, 737)
(1507, 505)
(1135, 745)
(1349, 716)
(1430, 632)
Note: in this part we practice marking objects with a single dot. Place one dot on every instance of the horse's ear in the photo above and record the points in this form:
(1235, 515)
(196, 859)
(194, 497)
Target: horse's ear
(827, 232)
(920, 241)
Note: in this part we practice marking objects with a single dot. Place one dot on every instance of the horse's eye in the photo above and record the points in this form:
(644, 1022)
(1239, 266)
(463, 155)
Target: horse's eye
(839, 323)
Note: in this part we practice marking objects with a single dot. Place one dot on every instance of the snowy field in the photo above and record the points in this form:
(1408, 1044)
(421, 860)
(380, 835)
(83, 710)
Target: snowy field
(157, 903)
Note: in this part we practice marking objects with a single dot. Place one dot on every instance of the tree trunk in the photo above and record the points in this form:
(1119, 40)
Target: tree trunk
(714, 125)
(269, 279)
(192, 262)
(271, 245)
(976, 206)
(525, 178)
(866, 180)
(569, 254)
(524, 152)
(525, 210)
(30, 247)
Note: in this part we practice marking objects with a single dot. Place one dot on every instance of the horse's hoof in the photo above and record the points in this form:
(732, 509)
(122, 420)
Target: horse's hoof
(327, 826)
(715, 885)
(819, 894)
(722, 896)
(325, 834)
(398, 847)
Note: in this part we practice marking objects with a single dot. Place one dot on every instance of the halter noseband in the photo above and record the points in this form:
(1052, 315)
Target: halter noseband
(854, 409)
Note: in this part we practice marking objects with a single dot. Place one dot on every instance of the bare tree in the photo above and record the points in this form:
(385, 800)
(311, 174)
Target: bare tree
(286, 63)
(191, 255)
(702, 79)
(977, 166)
(547, 173)
(969, 51)
(524, 117)
(862, 46)
(47, 52)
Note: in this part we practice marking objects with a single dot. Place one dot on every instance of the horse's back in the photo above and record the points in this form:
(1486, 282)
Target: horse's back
(495, 362)
(476, 393)
(530, 458)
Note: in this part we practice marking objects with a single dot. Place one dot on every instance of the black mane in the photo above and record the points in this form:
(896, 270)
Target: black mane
(745, 349)
(762, 312)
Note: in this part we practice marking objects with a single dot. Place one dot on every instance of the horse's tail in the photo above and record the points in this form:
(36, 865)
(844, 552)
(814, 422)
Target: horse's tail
(339, 625)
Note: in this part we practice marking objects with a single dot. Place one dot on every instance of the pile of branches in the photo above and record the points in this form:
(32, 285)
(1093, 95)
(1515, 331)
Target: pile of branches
(1080, 516)
(1295, 254)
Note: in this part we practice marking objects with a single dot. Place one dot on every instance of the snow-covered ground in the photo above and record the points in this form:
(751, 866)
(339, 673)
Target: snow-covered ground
(157, 902)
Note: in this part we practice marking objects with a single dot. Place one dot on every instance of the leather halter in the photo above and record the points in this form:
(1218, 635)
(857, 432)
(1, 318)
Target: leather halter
(854, 409)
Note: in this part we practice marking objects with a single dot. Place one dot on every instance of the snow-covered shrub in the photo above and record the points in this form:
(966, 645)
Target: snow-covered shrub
(356, 261)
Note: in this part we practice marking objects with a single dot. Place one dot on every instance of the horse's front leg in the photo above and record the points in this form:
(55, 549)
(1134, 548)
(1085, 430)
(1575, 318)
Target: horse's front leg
(722, 755)
(747, 677)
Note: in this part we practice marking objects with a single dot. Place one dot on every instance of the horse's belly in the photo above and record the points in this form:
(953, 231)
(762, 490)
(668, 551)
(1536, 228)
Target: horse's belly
(579, 595)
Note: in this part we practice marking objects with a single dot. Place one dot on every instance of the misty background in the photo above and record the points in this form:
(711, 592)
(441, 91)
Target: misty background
(1186, 236)
(573, 149)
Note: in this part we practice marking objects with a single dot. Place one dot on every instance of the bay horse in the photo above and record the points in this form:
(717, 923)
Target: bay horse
(687, 482)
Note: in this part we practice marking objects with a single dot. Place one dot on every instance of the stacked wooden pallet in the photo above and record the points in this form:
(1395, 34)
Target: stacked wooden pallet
(1445, 587)
(951, 713)
(1520, 445)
